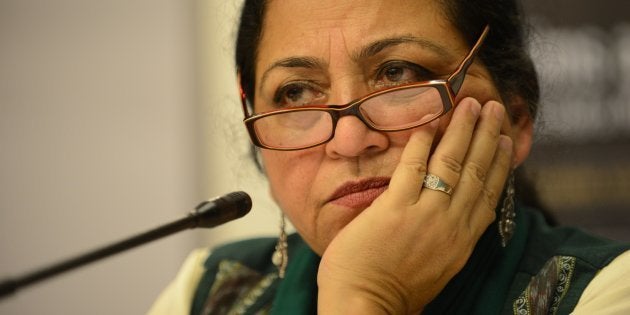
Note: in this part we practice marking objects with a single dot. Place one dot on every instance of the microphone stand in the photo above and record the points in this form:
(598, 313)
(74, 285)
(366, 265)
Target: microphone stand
(207, 214)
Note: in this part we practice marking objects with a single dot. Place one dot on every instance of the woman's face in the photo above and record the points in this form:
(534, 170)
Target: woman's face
(340, 51)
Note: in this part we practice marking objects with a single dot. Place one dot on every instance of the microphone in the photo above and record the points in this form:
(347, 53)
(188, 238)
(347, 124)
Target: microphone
(207, 214)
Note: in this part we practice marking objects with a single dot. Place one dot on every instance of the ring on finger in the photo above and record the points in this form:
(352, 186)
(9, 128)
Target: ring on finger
(434, 182)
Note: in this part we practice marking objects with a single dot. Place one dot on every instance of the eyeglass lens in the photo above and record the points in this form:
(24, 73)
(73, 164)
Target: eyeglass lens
(396, 109)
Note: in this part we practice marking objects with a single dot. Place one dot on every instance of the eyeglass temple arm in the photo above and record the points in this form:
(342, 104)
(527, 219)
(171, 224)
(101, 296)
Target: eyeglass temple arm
(457, 78)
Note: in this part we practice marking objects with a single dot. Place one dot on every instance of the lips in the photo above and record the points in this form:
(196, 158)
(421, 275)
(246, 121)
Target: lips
(359, 194)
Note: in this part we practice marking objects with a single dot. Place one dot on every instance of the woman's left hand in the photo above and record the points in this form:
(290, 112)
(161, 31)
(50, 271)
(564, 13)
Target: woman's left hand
(399, 253)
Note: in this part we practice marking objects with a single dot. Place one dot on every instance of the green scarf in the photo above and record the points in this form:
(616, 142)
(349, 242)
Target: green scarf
(542, 268)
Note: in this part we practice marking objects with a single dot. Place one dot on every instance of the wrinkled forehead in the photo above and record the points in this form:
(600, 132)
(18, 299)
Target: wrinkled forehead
(319, 28)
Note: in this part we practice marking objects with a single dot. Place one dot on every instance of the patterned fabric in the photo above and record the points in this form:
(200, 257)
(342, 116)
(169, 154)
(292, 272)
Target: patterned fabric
(546, 290)
(236, 289)
(563, 262)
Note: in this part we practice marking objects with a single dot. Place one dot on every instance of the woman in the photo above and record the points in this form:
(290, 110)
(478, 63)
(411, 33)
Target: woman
(393, 193)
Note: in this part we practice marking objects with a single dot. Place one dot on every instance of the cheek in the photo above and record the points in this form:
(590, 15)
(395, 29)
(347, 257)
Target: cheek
(291, 175)
(479, 87)
(397, 141)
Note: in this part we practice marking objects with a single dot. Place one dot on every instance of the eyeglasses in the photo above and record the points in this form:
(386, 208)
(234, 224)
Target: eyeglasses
(394, 109)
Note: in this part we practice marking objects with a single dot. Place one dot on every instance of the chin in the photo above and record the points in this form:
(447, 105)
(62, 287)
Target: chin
(328, 230)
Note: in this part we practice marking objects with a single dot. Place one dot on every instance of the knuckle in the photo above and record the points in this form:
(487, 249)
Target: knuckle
(504, 158)
(490, 216)
(485, 211)
(476, 171)
(490, 132)
(451, 163)
(490, 198)
(417, 165)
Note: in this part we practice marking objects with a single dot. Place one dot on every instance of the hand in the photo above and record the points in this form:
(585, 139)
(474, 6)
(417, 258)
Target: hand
(399, 253)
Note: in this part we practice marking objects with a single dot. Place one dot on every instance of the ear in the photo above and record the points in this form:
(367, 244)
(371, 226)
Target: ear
(522, 130)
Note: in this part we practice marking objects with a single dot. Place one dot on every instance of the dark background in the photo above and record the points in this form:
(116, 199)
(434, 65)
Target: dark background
(580, 162)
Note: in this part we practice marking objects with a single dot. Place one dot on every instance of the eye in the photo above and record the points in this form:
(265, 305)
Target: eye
(393, 73)
(298, 94)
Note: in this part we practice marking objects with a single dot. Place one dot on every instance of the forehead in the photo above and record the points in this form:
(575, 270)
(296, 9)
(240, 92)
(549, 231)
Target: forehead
(356, 14)
(326, 28)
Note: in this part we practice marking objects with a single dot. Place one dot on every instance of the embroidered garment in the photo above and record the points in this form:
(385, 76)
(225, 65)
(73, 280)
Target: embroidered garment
(236, 288)
(546, 290)
(543, 271)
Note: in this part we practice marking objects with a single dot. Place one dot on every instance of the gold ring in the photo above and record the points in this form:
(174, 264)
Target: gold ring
(433, 182)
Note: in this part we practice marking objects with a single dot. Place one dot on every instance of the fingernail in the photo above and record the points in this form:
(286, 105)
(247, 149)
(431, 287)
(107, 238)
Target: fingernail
(505, 143)
(434, 124)
(475, 108)
(498, 112)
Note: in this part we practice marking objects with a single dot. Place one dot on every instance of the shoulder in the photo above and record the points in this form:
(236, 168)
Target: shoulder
(559, 263)
(177, 296)
(254, 253)
(240, 276)
(201, 266)
(545, 242)
(608, 292)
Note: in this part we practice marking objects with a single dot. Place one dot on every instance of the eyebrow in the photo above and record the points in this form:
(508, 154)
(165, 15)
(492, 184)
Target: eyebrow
(366, 52)
(294, 62)
(381, 44)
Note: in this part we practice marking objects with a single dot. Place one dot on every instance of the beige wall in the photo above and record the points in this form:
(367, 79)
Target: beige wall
(97, 143)
(115, 117)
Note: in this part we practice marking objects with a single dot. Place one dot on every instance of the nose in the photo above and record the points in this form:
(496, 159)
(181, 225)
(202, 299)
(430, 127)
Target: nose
(353, 139)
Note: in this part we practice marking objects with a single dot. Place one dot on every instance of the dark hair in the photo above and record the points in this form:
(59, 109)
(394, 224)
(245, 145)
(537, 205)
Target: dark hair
(504, 53)
(249, 34)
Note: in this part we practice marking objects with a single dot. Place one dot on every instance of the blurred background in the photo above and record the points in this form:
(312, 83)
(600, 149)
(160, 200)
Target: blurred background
(118, 116)
(581, 160)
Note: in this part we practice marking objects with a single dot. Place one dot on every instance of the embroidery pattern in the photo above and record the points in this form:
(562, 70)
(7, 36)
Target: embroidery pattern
(236, 288)
(546, 289)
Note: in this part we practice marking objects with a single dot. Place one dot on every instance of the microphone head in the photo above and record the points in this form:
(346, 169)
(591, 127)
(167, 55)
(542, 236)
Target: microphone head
(223, 209)
(241, 201)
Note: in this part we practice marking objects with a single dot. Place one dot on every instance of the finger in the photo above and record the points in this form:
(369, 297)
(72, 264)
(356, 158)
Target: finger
(478, 160)
(483, 212)
(410, 171)
(446, 161)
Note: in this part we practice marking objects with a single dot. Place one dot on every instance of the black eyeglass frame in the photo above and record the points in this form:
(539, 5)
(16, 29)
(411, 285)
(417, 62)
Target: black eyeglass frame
(447, 89)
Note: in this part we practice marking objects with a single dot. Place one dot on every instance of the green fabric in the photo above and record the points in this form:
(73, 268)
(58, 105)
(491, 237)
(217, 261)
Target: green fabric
(481, 286)
(497, 282)
(494, 289)
(298, 290)
(489, 283)
(592, 254)
(254, 253)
